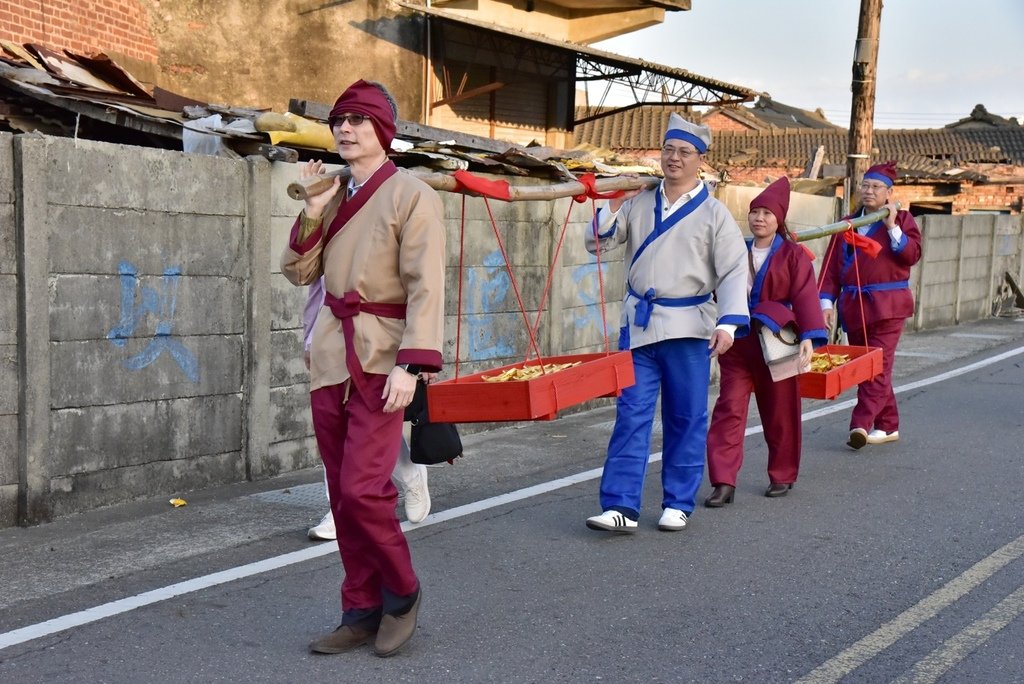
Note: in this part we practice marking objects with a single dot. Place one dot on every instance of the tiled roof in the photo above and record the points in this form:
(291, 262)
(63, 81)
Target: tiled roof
(792, 147)
(639, 128)
(784, 116)
(981, 118)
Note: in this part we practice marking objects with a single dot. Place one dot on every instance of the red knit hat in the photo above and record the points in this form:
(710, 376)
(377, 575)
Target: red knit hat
(774, 198)
(367, 99)
(885, 173)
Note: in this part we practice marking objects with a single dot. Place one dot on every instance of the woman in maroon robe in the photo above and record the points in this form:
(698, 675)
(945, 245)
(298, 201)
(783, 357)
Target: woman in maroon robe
(782, 293)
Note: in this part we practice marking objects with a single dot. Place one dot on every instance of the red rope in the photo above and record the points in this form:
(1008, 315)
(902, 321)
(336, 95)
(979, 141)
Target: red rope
(856, 275)
(551, 271)
(515, 286)
(860, 298)
(458, 317)
(600, 277)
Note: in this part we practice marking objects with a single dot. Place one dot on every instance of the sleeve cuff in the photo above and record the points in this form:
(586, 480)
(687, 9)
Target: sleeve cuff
(899, 240)
(817, 335)
(730, 329)
(826, 303)
(302, 223)
(427, 359)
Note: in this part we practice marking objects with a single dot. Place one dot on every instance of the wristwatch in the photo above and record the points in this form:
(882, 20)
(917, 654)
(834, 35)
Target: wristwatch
(410, 368)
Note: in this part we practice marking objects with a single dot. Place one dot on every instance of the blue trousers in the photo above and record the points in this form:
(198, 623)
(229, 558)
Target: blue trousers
(680, 369)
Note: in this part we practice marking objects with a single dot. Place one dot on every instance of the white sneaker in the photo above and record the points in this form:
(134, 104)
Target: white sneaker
(417, 496)
(325, 530)
(858, 438)
(672, 520)
(612, 521)
(881, 436)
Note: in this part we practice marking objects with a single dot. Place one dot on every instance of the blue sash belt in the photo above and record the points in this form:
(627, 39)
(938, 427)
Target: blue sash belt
(645, 304)
(876, 287)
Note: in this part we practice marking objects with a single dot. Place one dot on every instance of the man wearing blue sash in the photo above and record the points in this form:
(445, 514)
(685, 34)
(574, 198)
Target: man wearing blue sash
(682, 247)
(872, 294)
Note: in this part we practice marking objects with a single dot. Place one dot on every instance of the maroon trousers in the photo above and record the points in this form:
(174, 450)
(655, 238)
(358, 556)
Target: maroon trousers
(743, 371)
(359, 446)
(876, 402)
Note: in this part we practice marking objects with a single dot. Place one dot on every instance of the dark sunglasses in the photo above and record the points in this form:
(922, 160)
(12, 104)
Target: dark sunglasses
(352, 119)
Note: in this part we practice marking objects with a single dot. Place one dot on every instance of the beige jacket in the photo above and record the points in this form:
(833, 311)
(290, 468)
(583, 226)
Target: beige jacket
(391, 251)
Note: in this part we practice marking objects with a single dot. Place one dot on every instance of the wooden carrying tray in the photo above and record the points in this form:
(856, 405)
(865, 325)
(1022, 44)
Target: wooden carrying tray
(864, 364)
(470, 399)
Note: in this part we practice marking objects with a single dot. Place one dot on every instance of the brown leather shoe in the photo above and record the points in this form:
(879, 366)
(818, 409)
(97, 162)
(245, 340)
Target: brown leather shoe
(722, 495)
(396, 630)
(777, 489)
(345, 638)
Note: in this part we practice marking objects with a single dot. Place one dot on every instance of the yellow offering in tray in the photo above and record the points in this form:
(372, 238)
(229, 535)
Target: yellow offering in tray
(822, 363)
(527, 372)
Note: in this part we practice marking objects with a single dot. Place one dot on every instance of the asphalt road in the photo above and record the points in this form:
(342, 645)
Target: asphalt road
(901, 562)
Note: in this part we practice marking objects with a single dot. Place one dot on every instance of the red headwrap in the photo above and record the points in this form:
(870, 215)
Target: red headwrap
(774, 198)
(367, 99)
(886, 173)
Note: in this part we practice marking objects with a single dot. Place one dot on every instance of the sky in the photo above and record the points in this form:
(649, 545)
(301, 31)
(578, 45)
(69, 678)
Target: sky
(937, 59)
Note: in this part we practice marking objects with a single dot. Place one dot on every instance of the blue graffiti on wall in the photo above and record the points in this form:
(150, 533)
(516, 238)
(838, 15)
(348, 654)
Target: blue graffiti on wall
(491, 288)
(588, 291)
(159, 303)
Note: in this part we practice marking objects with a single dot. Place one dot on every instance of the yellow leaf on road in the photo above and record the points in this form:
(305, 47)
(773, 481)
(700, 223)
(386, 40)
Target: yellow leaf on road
(177, 503)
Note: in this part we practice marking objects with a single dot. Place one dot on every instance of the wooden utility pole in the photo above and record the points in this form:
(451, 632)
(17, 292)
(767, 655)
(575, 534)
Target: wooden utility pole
(862, 110)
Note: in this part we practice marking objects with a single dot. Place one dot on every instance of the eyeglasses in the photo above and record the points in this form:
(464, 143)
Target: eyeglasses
(873, 187)
(352, 119)
(671, 151)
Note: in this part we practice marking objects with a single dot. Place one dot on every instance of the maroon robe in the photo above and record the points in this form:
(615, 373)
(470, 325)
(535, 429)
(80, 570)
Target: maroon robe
(785, 277)
(884, 310)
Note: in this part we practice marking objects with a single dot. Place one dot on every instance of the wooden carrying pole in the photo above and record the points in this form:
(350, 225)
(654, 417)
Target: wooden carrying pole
(307, 187)
(840, 226)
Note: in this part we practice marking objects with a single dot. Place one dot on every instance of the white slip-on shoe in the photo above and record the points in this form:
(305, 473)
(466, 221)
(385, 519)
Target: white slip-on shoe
(672, 520)
(325, 530)
(417, 496)
(612, 521)
(858, 438)
(881, 436)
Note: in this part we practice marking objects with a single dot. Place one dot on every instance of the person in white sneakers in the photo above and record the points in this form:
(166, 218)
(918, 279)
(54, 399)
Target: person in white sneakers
(410, 477)
(866, 281)
(681, 246)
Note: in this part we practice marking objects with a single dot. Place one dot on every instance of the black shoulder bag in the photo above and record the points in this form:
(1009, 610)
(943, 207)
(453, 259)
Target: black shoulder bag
(431, 443)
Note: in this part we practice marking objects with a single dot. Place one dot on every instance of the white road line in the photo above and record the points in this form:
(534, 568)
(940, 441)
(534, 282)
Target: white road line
(925, 355)
(980, 336)
(83, 617)
(888, 634)
(958, 647)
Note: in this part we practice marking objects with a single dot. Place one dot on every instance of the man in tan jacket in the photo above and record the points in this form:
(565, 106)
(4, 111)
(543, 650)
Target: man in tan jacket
(380, 245)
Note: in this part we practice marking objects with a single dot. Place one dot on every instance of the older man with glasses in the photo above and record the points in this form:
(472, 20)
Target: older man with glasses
(876, 278)
(682, 245)
(380, 247)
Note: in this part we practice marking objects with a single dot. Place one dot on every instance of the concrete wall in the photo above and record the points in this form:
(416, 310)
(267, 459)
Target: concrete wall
(153, 347)
(9, 385)
(135, 270)
(963, 266)
(174, 359)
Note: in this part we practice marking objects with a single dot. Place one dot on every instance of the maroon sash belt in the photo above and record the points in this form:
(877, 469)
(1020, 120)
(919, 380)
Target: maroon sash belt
(345, 309)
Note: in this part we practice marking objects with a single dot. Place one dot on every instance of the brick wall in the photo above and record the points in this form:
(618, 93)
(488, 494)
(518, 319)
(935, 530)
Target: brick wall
(720, 122)
(1000, 197)
(87, 26)
(1006, 196)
